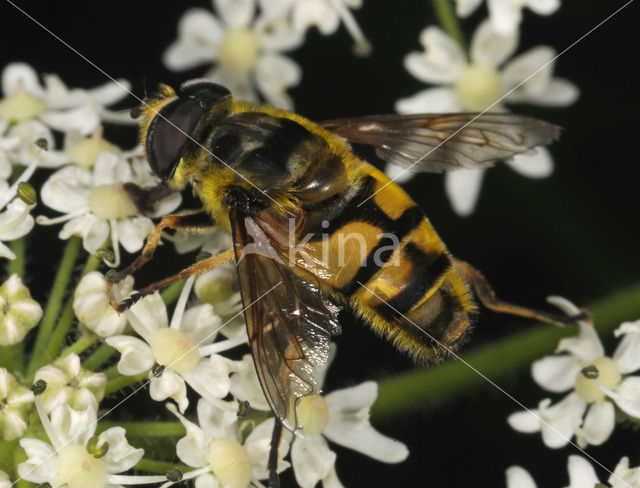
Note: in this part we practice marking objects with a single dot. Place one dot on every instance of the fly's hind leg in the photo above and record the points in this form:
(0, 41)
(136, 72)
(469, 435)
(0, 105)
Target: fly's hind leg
(276, 438)
(194, 269)
(488, 298)
(193, 221)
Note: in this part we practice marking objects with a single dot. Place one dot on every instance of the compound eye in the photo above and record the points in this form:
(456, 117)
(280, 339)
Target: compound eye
(169, 132)
(204, 92)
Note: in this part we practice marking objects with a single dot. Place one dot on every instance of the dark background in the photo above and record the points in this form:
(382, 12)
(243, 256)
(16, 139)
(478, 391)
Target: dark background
(574, 234)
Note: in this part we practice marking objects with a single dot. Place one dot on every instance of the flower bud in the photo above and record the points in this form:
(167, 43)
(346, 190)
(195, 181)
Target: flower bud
(16, 402)
(68, 382)
(19, 313)
(92, 305)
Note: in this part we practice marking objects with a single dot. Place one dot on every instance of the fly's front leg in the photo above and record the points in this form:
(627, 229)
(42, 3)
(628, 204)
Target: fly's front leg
(193, 221)
(194, 269)
(488, 298)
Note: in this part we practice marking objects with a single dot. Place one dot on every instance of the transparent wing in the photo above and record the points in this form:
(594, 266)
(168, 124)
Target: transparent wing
(289, 320)
(442, 142)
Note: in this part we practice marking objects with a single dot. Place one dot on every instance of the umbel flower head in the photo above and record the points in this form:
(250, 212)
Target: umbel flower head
(596, 384)
(482, 83)
(19, 313)
(75, 457)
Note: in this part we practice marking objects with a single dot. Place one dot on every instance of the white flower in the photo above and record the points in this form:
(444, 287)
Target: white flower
(76, 458)
(592, 389)
(97, 205)
(480, 84)
(15, 222)
(181, 347)
(8, 144)
(244, 47)
(92, 304)
(19, 313)
(15, 404)
(216, 450)
(342, 417)
(506, 15)
(71, 384)
(581, 475)
(54, 104)
(26, 150)
(326, 16)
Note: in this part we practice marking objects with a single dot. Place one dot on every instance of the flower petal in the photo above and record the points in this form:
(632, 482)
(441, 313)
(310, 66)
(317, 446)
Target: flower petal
(148, 315)
(543, 7)
(581, 473)
(441, 60)
(132, 232)
(597, 426)
(311, 459)
(135, 355)
(399, 174)
(41, 465)
(535, 164)
(15, 73)
(556, 373)
(184, 55)
(169, 384)
(462, 187)
(431, 100)
(491, 47)
(586, 346)
(121, 456)
(561, 420)
(627, 354)
(531, 71)
(558, 93)
(627, 396)
(236, 13)
(505, 15)
(518, 477)
(211, 377)
(274, 74)
(464, 8)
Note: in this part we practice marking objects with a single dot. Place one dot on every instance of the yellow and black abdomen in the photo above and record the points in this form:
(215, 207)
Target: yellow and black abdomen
(386, 260)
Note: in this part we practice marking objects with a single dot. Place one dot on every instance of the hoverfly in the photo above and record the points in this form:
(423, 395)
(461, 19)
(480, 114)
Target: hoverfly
(277, 181)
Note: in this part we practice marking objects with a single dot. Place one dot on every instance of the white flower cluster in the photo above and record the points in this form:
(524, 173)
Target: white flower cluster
(224, 448)
(581, 475)
(484, 79)
(600, 390)
(597, 385)
(89, 186)
(245, 40)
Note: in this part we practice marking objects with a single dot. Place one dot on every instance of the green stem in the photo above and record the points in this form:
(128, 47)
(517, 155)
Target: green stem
(6, 448)
(121, 382)
(160, 467)
(16, 266)
(147, 429)
(112, 372)
(426, 387)
(98, 357)
(171, 293)
(449, 22)
(54, 303)
(79, 345)
(66, 319)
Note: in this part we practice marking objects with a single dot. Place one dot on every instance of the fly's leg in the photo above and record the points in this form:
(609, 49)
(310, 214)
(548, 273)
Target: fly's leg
(488, 298)
(193, 221)
(276, 438)
(194, 269)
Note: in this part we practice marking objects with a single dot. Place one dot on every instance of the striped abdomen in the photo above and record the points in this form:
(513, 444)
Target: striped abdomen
(386, 260)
